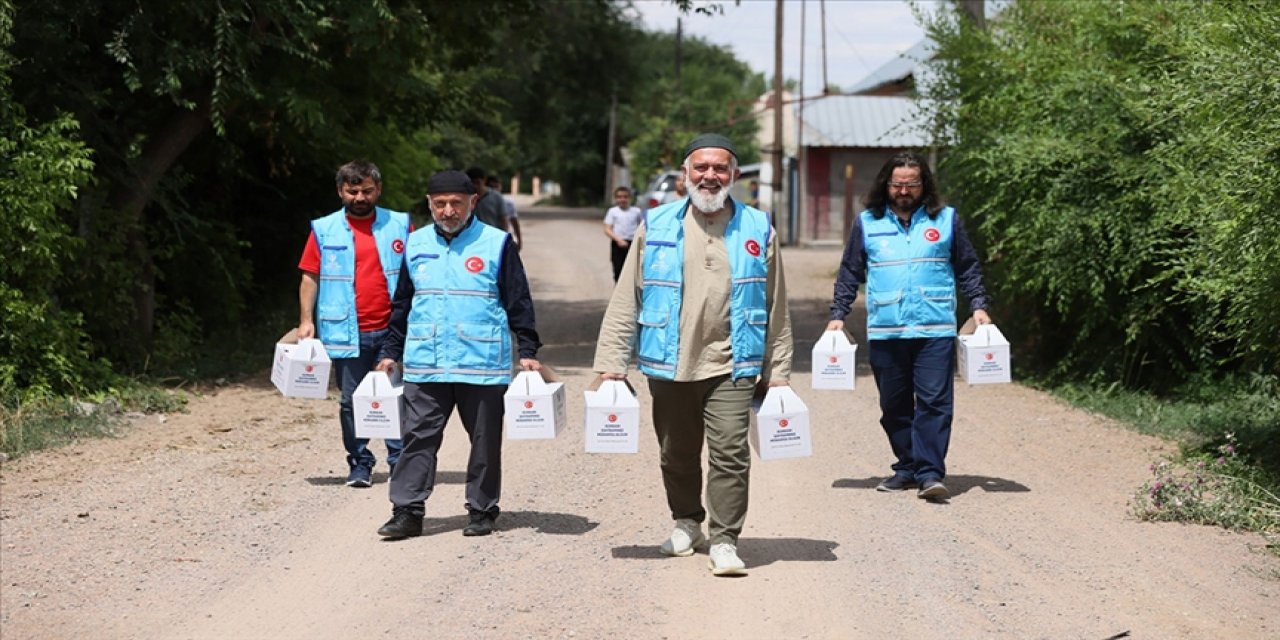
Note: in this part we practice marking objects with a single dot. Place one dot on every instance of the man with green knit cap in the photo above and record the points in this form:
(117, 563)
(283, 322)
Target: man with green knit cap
(702, 299)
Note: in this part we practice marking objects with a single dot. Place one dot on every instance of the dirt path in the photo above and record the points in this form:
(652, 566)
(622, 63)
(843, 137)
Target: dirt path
(231, 521)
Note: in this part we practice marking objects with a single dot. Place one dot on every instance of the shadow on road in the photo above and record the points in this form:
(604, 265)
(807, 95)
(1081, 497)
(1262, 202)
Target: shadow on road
(957, 484)
(442, 477)
(756, 552)
(539, 521)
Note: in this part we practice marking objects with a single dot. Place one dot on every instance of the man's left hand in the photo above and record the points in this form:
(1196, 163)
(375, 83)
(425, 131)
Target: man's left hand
(530, 364)
(980, 316)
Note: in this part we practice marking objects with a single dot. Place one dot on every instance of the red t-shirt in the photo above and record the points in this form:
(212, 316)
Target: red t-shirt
(373, 303)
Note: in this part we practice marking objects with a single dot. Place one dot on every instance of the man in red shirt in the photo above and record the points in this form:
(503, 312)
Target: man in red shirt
(350, 267)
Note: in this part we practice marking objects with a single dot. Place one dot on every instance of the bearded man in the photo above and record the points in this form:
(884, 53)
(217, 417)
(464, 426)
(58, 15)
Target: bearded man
(702, 299)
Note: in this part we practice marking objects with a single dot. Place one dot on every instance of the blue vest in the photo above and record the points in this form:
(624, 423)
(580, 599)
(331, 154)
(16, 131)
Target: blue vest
(911, 286)
(457, 329)
(336, 321)
(662, 289)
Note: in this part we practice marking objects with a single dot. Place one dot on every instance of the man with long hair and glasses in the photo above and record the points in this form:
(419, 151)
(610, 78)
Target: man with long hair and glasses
(911, 252)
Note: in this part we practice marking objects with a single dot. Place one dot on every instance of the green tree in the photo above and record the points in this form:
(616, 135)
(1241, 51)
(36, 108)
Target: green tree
(1118, 159)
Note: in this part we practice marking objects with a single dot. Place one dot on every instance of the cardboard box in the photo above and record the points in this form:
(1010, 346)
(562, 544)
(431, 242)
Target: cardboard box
(376, 405)
(612, 418)
(301, 367)
(982, 355)
(833, 362)
(782, 426)
(534, 406)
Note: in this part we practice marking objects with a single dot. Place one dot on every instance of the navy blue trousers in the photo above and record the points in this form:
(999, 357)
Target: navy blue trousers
(916, 380)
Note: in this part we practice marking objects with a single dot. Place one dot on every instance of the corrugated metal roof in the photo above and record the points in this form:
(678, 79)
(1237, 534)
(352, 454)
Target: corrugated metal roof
(863, 121)
(897, 69)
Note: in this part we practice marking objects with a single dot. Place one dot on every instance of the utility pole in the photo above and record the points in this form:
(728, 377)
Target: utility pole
(679, 52)
(608, 158)
(822, 4)
(975, 10)
(782, 216)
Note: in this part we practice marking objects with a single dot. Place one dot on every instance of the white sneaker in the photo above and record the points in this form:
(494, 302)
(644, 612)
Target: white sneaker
(687, 535)
(725, 561)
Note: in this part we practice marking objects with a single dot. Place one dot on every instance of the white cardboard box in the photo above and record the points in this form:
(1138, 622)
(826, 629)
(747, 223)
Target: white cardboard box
(983, 356)
(833, 362)
(612, 418)
(376, 403)
(301, 367)
(534, 406)
(782, 426)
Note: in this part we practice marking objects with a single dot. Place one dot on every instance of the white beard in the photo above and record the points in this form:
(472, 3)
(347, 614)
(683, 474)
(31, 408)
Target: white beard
(708, 202)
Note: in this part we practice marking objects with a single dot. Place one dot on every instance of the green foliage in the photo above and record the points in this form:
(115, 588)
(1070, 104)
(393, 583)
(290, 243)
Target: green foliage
(1117, 163)
(48, 422)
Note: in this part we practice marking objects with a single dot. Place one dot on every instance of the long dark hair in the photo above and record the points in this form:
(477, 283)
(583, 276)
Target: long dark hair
(879, 195)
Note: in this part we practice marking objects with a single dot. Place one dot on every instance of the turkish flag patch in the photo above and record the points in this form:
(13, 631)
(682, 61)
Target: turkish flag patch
(932, 234)
(753, 248)
(397, 245)
(474, 264)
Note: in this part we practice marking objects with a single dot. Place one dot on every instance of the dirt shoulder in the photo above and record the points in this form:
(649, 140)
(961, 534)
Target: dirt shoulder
(231, 521)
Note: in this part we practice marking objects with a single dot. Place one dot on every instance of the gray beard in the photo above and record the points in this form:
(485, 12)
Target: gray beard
(709, 203)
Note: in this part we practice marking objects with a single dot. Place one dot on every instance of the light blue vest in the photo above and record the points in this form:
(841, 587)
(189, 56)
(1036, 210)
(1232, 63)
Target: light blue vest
(336, 321)
(747, 242)
(911, 286)
(457, 329)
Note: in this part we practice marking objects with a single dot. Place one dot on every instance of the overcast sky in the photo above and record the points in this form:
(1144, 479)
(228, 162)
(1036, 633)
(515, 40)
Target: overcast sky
(861, 34)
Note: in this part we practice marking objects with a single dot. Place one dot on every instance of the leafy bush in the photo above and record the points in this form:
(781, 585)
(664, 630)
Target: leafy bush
(1119, 162)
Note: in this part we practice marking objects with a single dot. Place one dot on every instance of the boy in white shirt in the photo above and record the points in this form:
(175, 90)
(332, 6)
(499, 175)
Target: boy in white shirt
(620, 224)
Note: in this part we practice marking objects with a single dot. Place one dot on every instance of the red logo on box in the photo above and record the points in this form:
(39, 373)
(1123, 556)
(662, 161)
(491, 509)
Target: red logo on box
(834, 359)
(397, 245)
(528, 404)
(783, 423)
(309, 368)
(474, 264)
(375, 405)
(753, 248)
(613, 417)
(991, 356)
(932, 234)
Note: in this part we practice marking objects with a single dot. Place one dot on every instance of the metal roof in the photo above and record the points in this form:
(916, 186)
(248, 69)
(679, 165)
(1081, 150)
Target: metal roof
(864, 121)
(909, 63)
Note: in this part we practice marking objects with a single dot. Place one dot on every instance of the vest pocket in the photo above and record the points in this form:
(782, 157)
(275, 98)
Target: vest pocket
(480, 346)
(333, 326)
(420, 345)
(651, 343)
(884, 308)
(939, 305)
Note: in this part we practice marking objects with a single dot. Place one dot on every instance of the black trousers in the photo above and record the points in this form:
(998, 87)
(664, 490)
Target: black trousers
(619, 257)
(427, 407)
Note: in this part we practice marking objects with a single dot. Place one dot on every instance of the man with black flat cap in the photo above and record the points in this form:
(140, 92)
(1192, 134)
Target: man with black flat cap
(463, 294)
(702, 299)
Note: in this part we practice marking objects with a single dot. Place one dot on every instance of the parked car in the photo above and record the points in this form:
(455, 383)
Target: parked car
(661, 190)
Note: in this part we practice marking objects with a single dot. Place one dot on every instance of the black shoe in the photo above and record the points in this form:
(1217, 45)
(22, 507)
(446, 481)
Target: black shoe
(934, 490)
(896, 483)
(481, 524)
(403, 524)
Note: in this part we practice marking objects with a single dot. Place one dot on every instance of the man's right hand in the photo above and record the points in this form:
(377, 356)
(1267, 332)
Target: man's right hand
(386, 365)
(835, 325)
(306, 330)
(613, 376)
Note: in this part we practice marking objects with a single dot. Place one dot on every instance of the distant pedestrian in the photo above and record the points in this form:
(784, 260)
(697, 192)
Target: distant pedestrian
(702, 301)
(508, 208)
(620, 224)
(489, 207)
(911, 252)
(350, 266)
(463, 295)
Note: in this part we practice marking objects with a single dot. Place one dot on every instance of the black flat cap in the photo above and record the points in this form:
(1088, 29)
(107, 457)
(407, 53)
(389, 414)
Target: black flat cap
(705, 140)
(450, 182)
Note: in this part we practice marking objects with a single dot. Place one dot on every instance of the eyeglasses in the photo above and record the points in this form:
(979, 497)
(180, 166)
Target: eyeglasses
(905, 185)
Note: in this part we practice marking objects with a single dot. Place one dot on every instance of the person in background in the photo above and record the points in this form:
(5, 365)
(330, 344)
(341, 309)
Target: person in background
(350, 266)
(508, 208)
(702, 300)
(463, 295)
(911, 251)
(489, 208)
(620, 223)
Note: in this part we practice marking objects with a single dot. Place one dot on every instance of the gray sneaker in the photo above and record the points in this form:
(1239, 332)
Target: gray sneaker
(686, 536)
(933, 490)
